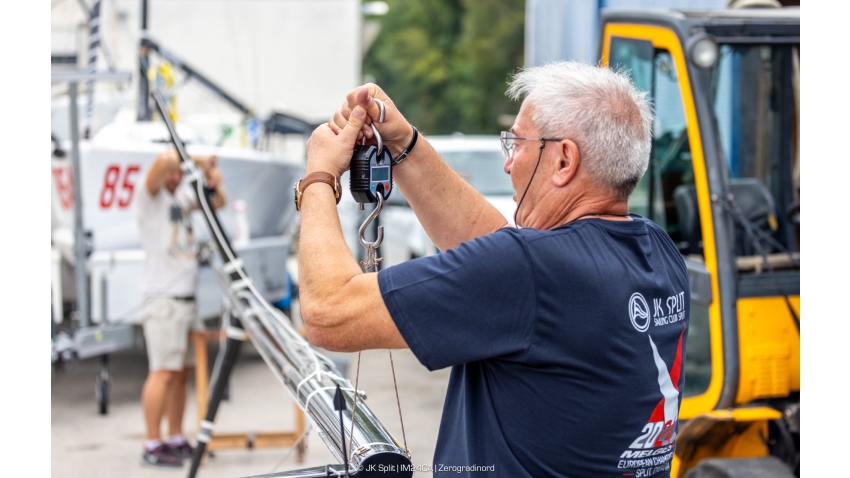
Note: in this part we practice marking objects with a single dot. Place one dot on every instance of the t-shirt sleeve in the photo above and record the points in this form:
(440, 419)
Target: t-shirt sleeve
(470, 303)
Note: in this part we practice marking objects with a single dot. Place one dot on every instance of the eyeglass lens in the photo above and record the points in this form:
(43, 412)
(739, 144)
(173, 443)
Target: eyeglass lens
(507, 140)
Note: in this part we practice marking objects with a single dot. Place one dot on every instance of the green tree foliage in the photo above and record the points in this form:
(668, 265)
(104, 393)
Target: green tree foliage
(446, 63)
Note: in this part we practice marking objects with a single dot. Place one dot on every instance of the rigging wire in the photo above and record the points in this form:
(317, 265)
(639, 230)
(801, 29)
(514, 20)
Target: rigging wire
(294, 447)
(398, 402)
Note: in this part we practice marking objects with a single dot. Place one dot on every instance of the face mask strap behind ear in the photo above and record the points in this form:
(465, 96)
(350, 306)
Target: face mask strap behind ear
(539, 155)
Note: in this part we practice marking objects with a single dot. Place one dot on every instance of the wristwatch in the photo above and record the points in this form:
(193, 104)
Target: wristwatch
(312, 178)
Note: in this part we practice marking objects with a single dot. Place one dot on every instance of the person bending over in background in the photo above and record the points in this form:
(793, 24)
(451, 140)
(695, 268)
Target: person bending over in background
(168, 285)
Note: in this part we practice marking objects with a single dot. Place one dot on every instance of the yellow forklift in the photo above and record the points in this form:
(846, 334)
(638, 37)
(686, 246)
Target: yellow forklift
(723, 181)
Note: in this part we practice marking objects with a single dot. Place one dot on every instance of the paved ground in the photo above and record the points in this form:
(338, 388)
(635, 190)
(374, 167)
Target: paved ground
(85, 443)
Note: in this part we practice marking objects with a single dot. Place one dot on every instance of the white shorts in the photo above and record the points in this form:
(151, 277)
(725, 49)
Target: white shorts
(166, 323)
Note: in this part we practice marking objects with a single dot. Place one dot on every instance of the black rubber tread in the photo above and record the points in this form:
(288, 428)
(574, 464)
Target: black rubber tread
(761, 467)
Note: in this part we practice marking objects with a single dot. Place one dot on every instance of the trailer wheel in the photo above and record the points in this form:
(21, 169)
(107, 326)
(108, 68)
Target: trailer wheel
(761, 467)
(101, 393)
(102, 386)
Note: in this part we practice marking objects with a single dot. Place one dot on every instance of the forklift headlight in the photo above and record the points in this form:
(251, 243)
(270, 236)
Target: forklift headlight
(703, 51)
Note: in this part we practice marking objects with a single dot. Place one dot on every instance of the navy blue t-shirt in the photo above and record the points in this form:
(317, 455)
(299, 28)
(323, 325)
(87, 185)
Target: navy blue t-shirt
(567, 347)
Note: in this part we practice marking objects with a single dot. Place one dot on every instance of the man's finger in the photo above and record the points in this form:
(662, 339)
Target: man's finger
(337, 122)
(363, 97)
(362, 94)
(366, 99)
(340, 117)
(355, 122)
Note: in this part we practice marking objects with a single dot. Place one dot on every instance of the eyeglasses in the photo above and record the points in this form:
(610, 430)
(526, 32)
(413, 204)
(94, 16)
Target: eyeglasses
(508, 142)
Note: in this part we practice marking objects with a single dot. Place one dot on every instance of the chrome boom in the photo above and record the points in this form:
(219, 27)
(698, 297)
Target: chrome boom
(311, 379)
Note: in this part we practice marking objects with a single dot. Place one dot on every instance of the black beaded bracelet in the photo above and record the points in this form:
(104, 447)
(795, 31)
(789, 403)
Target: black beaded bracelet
(401, 157)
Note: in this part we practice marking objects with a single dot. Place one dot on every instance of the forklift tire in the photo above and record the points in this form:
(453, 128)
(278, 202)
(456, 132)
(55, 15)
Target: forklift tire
(761, 467)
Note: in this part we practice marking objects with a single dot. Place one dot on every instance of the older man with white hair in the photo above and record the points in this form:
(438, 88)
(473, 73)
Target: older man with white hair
(566, 333)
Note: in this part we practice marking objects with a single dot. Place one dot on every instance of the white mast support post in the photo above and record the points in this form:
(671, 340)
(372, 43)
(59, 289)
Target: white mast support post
(80, 252)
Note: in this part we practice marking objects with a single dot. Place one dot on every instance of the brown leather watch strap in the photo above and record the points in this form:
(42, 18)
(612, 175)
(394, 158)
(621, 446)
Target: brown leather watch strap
(312, 178)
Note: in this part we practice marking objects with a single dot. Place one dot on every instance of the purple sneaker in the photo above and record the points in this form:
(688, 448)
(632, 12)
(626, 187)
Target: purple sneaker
(184, 450)
(163, 455)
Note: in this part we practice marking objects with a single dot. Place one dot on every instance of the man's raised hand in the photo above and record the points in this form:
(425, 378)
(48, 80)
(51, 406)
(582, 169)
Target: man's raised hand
(395, 131)
(330, 151)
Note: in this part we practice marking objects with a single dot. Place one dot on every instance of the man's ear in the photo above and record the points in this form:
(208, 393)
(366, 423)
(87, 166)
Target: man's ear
(566, 163)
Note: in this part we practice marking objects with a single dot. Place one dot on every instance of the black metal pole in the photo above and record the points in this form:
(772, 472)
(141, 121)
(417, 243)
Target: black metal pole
(219, 382)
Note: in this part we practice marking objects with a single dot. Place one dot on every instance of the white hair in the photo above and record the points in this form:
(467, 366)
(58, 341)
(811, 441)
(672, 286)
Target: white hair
(608, 118)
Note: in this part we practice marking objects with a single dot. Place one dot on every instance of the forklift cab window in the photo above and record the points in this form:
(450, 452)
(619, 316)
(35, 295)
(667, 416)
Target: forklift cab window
(634, 57)
(756, 101)
(670, 172)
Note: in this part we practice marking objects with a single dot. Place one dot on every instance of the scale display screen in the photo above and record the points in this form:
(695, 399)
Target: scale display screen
(380, 174)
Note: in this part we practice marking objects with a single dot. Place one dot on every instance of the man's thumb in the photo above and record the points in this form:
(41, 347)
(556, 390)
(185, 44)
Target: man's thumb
(355, 122)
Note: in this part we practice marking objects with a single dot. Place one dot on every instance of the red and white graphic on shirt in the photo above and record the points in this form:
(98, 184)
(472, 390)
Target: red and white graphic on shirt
(659, 434)
(667, 410)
